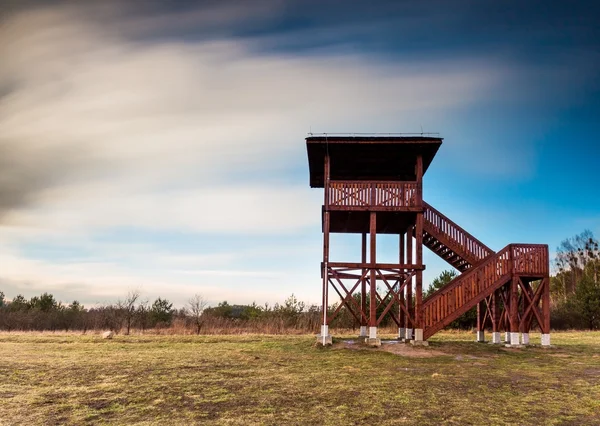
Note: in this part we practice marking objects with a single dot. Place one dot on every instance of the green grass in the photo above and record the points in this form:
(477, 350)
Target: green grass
(72, 379)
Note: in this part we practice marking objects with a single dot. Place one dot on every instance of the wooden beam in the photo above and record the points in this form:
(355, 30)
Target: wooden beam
(354, 265)
(419, 275)
(409, 260)
(363, 286)
(373, 261)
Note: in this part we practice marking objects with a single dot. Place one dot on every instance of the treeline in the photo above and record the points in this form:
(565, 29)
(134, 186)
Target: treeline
(575, 304)
(575, 289)
(132, 313)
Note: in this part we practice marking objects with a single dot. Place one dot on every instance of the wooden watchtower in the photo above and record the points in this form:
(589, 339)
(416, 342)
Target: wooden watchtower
(374, 185)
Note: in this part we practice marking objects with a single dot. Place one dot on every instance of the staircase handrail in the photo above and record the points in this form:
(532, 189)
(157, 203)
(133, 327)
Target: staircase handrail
(471, 244)
(505, 252)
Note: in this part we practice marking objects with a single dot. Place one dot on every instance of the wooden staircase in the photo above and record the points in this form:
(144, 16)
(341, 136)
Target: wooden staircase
(483, 271)
(451, 242)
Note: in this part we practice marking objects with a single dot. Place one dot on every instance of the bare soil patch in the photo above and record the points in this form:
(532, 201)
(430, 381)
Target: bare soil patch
(397, 348)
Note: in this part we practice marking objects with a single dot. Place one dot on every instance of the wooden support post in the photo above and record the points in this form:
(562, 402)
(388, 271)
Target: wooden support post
(514, 310)
(481, 309)
(419, 279)
(409, 304)
(401, 261)
(325, 337)
(363, 287)
(496, 317)
(373, 281)
(546, 312)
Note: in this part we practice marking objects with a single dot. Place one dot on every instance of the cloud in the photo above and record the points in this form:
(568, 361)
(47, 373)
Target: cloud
(112, 120)
(82, 103)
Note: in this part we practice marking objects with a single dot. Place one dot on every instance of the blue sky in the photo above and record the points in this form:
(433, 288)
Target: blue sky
(162, 148)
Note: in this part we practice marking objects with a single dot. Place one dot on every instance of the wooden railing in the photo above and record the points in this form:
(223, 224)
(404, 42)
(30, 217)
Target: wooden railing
(373, 194)
(466, 290)
(461, 239)
(530, 259)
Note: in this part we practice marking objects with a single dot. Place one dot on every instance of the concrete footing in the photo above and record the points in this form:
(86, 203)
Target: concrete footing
(507, 337)
(419, 334)
(324, 338)
(409, 334)
(480, 337)
(418, 340)
(363, 331)
(375, 342)
(514, 338)
(401, 333)
(546, 340)
(525, 338)
(496, 338)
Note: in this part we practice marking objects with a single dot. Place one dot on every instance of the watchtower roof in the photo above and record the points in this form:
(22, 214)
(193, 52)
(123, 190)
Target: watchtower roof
(368, 157)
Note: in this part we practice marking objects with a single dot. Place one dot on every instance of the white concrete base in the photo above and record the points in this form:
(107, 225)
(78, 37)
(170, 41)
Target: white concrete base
(363, 331)
(545, 339)
(372, 332)
(514, 339)
(506, 337)
(525, 338)
(419, 334)
(409, 334)
(324, 338)
(401, 333)
(480, 336)
(496, 338)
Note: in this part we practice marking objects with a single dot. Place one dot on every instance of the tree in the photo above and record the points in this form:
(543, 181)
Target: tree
(72, 315)
(469, 318)
(196, 306)
(2, 299)
(143, 314)
(19, 303)
(438, 282)
(162, 311)
(128, 306)
(587, 302)
(44, 303)
(573, 256)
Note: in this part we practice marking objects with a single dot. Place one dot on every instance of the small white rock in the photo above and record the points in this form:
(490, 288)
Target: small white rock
(108, 335)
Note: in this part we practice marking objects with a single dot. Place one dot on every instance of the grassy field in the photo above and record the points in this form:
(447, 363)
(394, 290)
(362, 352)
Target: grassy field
(73, 379)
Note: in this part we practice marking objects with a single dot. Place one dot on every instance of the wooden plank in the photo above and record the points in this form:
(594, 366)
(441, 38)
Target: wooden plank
(355, 265)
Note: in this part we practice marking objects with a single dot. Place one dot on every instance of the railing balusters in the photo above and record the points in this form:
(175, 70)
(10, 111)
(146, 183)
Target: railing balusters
(374, 194)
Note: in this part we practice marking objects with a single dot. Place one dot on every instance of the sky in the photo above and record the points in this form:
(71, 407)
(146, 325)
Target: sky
(159, 146)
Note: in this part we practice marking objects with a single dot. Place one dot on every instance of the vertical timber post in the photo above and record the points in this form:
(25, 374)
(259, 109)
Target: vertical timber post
(419, 279)
(496, 317)
(363, 287)
(480, 322)
(409, 304)
(325, 338)
(402, 272)
(514, 303)
(525, 324)
(419, 253)
(373, 340)
(546, 312)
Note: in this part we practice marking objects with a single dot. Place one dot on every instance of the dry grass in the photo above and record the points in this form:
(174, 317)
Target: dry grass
(257, 379)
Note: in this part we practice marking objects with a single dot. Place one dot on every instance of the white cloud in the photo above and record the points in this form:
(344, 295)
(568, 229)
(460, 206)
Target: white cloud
(99, 130)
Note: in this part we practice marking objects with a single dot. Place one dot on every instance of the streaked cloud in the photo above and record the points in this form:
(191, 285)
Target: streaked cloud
(192, 121)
